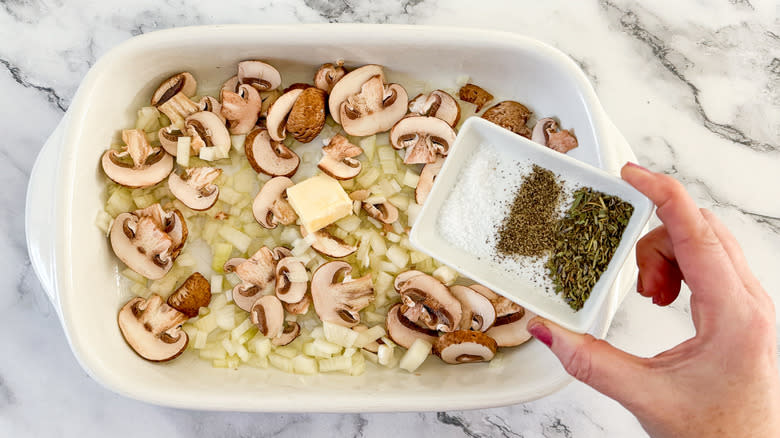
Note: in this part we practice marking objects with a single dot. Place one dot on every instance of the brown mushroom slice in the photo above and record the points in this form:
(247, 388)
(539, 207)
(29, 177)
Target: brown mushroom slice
(329, 245)
(258, 275)
(428, 303)
(172, 97)
(267, 314)
(437, 103)
(511, 330)
(503, 305)
(152, 328)
(269, 156)
(288, 334)
(427, 176)
(212, 105)
(169, 139)
(328, 74)
(281, 252)
(270, 206)
(241, 109)
(339, 302)
(403, 277)
(474, 94)
(170, 222)
(258, 74)
(510, 115)
(384, 212)
(338, 158)
(376, 108)
(350, 84)
(307, 115)
(146, 166)
(478, 312)
(404, 332)
(360, 195)
(292, 280)
(465, 346)
(193, 294)
(546, 133)
(195, 188)
(230, 85)
(207, 129)
(424, 138)
(278, 112)
(299, 308)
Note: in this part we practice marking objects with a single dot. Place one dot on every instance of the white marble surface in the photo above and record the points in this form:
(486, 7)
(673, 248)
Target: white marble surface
(694, 86)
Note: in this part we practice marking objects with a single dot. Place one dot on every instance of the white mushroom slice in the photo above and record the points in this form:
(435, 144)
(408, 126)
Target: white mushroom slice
(428, 303)
(206, 129)
(259, 75)
(404, 332)
(171, 222)
(328, 75)
(241, 108)
(276, 120)
(299, 308)
(146, 166)
(230, 85)
(338, 158)
(437, 103)
(193, 294)
(465, 346)
(292, 280)
(169, 139)
(195, 188)
(427, 176)
(211, 104)
(152, 328)
(270, 206)
(510, 330)
(258, 274)
(281, 252)
(384, 212)
(288, 334)
(339, 302)
(172, 97)
(267, 314)
(268, 156)
(478, 311)
(350, 84)
(360, 195)
(502, 304)
(329, 245)
(245, 294)
(403, 277)
(376, 108)
(424, 138)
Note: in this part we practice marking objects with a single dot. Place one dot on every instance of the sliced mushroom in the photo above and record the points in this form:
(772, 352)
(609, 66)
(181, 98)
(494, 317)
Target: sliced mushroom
(307, 116)
(258, 275)
(195, 188)
(288, 334)
(478, 312)
(465, 346)
(360, 195)
(547, 134)
(193, 294)
(338, 158)
(268, 315)
(172, 97)
(502, 304)
(146, 166)
(339, 302)
(350, 84)
(403, 277)
(206, 129)
(299, 308)
(269, 156)
(169, 139)
(231, 85)
(474, 94)
(428, 303)
(152, 328)
(281, 252)
(328, 74)
(510, 115)
(292, 280)
(148, 240)
(384, 212)
(278, 113)
(424, 138)
(329, 245)
(376, 108)
(258, 74)
(270, 206)
(241, 108)
(438, 104)
(404, 332)
(511, 330)
(427, 176)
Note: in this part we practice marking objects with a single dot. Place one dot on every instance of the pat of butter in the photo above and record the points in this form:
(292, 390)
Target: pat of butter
(319, 201)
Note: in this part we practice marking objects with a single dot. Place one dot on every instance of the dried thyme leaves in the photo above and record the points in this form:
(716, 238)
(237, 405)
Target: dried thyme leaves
(585, 240)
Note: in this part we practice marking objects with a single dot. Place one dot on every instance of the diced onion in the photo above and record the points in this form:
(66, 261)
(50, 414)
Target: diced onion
(304, 365)
(238, 239)
(398, 256)
(339, 335)
(411, 179)
(183, 145)
(369, 336)
(237, 141)
(385, 354)
(446, 275)
(339, 363)
(216, 284)
(415, 355)
(280, 362)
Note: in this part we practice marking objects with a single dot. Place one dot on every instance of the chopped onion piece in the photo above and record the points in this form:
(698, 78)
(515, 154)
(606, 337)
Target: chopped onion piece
(339, 363)
(304, 365)
(385, 354)
(216, 284)
(237, 141)
(446, 275)
(103, 221)
(183, 147)
(398, 255)
(368, 144)
(241, 329)
(326, 347)
(260, 345)
(339, 335)
(200, 340)
(280, 362)
(411, 178)
(412, 211)
(415, 355)
(238, 239)
(369, 336)
(395, 238)
(286, 351)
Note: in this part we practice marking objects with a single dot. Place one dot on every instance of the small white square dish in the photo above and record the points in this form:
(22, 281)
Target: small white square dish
(427, 235)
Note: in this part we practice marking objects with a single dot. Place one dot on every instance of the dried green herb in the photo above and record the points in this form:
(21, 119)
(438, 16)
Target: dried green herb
(585, 241)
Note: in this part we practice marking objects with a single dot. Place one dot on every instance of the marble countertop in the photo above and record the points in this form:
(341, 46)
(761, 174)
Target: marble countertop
(695, 88)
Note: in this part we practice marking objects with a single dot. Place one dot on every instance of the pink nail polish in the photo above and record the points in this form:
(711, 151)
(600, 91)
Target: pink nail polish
(542, 333)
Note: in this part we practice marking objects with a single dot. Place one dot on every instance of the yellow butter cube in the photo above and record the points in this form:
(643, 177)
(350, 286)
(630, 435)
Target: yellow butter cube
(319, 201)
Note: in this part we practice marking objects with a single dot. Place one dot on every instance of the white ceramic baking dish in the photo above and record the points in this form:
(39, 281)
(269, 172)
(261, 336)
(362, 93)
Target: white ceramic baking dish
(74, 262)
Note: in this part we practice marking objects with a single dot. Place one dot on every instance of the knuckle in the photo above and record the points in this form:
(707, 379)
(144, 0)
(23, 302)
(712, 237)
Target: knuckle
(579, 364)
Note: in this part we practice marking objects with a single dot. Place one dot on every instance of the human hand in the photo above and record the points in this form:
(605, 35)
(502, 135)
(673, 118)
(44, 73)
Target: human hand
(722, 382)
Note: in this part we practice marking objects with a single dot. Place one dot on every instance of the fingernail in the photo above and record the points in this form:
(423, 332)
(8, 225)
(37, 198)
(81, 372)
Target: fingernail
(541, 332)
(636, 166)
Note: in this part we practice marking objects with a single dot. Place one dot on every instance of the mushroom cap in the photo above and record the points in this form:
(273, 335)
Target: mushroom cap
(350, 84)
(478, 312)
(384, 212)
(269, 156)
(328, 75)
(404, 332)
(288, 334)
(152, 328)
(260, 75)
(437, 103)
(231, 85)
(193, 294)
(339, 302)
(299, 308)
(512, 333)
(403, 277)
(510, 115)
(195, 188)
(270, 206)
(338, 158)
(241, 108)
(182, 82)
(376, 108)
(427, 176)
(169, 139)
(276, 120)
(258, 274)
(429, 303)
(474, 94)
(207, 129)
(267, 314)
(307, 116)
(211, 104)
(292, 280)
(148, 165)
(328, 244)
(503, 305)
(423, 137)
(465, 346)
